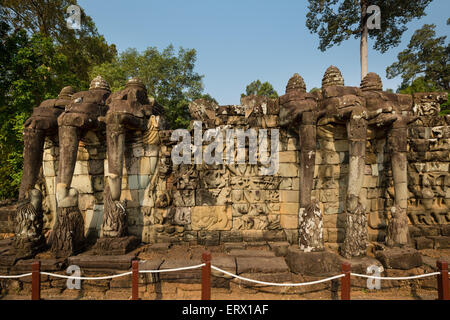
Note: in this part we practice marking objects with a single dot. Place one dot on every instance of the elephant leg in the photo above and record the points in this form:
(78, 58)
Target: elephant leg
(114, 223)
(355, 241)
(69, 140)
(398, 232)
(32, 159)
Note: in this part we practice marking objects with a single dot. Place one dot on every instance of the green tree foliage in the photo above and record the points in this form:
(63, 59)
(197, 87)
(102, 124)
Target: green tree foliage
(39, 55)
(168, 75)
(32, 70)
(427, 56)
(338, 20)
(421, 84)
(424, 64)
(259, 88)
(83, 48)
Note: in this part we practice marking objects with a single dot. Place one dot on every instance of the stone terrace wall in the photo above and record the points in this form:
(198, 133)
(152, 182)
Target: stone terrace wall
(211, 204)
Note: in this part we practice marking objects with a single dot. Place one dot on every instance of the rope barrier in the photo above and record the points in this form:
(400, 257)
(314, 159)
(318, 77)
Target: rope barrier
(171, 270)
(86, 278)
(225, 272)
(16, 276)
(396, 278)
(277, 284)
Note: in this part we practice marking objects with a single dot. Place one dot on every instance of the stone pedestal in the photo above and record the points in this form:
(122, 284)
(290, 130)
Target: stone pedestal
(398, 258)
(116, 246)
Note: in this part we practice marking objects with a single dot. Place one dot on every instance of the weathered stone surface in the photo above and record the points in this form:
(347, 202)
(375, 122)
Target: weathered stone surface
(279, 248)
(231, 236)
(225, 263)
(440, 242)
(446, 230)
(313, 263)
(261, 265)
(277, 277)
(250, 253)
(208, 238)
(48, 265)
(116, 246)
(399, 258)
(116, 262)
(184, 276)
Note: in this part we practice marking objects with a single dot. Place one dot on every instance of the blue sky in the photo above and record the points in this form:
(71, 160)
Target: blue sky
(241, 41)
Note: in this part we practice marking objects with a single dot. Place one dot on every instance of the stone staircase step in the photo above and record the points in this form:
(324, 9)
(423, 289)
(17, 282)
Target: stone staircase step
(251, 253)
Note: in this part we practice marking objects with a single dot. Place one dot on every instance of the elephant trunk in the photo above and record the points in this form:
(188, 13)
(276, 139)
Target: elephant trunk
(115, 139)
(32, 155)
(69, 139)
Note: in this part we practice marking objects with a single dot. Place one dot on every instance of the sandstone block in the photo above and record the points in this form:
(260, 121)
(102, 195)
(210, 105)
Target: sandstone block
(322, 263)
(399, 258)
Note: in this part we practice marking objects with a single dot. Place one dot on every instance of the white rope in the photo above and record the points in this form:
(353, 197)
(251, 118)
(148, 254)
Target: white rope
(170, 270)
(278, 284)
(86, 278)
(396, 278)
(17, 276)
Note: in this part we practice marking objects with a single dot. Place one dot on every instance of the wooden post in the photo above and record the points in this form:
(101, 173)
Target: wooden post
(345, 281)
(206, 276)
(36, 280)
(135, 280)
(443, 281)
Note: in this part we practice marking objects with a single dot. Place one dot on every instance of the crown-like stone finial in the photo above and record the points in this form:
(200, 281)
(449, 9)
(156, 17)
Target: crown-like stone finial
(371, 82)
(99, 83)
(332, 77)
(135, 81)
(66, 92)
(296, 82)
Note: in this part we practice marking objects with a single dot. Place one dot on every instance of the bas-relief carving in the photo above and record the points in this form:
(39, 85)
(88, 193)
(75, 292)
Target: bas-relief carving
(211, 218)
(234, 197)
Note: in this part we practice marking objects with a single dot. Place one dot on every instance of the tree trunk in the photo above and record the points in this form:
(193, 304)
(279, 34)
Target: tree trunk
(363, 43)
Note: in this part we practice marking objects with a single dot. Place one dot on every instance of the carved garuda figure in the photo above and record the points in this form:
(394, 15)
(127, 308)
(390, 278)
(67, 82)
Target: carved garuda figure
(80, 117)
(128, 115)
(42, 123)
(299, 110)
